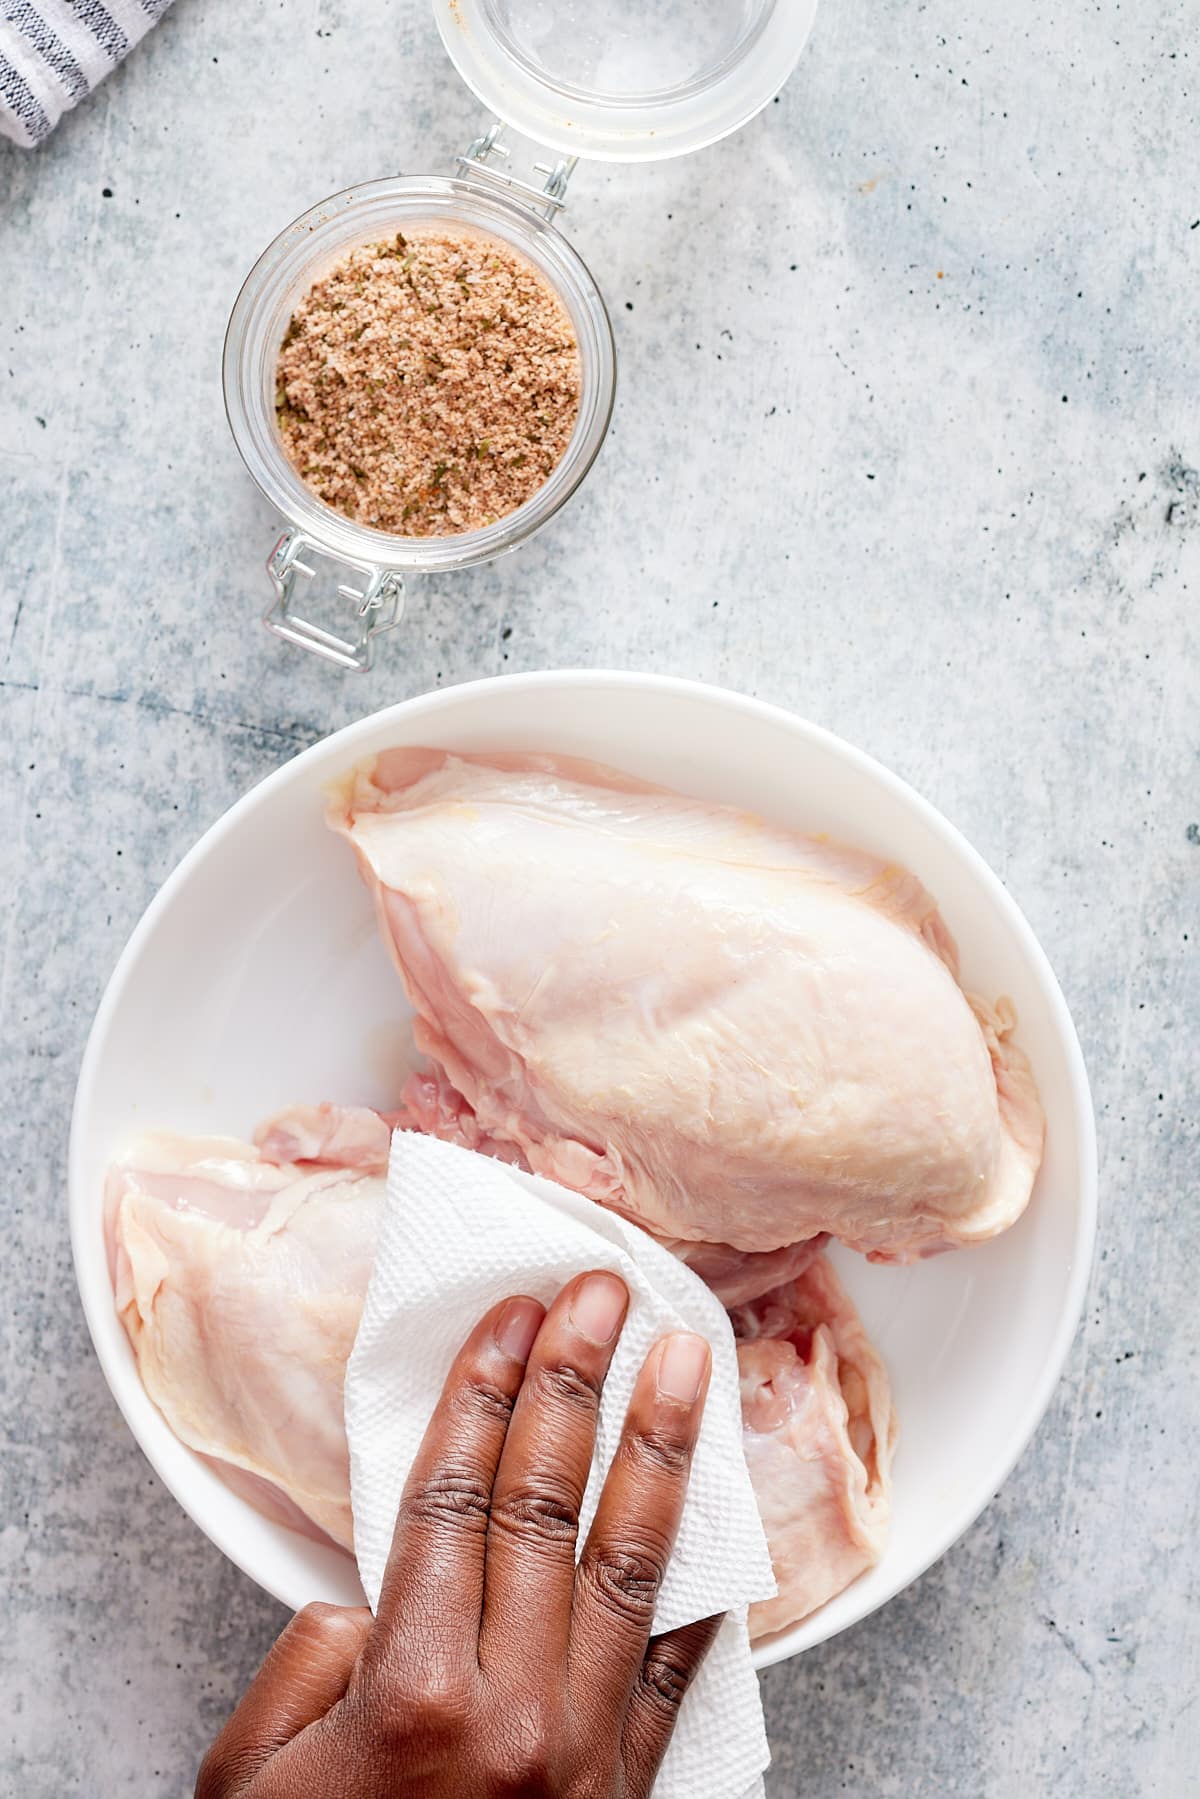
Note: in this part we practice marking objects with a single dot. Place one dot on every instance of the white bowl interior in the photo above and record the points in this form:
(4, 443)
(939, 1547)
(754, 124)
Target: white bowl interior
(256, 978)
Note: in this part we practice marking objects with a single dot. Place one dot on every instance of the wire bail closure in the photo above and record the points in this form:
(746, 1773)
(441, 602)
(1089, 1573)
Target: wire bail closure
(548, 199)
(378, 602)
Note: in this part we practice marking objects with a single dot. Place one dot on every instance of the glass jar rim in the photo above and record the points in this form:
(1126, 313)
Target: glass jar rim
(290, 264)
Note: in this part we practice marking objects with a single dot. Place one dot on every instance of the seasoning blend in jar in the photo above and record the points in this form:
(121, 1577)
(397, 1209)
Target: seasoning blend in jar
(428, 384)
(419, 372)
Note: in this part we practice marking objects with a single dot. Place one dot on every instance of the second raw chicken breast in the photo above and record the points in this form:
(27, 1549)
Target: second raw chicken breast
(240, 1281)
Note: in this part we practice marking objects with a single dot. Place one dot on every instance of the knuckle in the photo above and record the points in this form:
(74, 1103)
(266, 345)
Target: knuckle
(664, 1681)
(328, 1623)
(656, 1450)
(627, 1581)
(528, 1762)
(456, 1498)
(480, 1398)
(565, 1385)
(538, 1517)
(317, 1614)
(433, 1703)
(444, 1697)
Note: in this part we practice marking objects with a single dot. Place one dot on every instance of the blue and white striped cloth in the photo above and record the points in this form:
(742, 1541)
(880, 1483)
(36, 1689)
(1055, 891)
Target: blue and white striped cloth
(54, 52)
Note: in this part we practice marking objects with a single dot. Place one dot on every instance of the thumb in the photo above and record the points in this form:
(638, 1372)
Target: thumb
(305, 1674)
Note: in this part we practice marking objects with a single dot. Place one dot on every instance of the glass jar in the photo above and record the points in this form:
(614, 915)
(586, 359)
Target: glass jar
(606, 81)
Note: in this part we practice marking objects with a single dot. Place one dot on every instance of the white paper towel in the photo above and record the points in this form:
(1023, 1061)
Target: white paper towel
(460, 1232)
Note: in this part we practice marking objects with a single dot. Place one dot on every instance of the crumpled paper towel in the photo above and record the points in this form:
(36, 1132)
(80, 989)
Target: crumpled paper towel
(460, 1232)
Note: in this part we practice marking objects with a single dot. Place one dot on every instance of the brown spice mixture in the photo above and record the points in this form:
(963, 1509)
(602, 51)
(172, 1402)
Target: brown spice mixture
(429, 384)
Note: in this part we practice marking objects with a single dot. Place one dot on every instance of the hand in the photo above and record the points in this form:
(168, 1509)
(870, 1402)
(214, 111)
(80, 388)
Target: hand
(495, 1667)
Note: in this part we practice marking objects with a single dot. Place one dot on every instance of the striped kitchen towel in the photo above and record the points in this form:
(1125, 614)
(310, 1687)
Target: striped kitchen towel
(54, 52)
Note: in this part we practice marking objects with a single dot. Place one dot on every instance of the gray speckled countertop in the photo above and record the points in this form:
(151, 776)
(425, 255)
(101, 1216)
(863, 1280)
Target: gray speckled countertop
(907, 439)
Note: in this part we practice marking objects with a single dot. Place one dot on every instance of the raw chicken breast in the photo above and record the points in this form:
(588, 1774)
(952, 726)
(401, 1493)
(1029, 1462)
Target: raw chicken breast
(739, 1275)
(240, 1284)
(732, 1033)
(818, 1431)
(362, 1138)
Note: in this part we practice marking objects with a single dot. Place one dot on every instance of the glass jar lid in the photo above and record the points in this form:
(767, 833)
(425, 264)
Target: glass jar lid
(619, 80)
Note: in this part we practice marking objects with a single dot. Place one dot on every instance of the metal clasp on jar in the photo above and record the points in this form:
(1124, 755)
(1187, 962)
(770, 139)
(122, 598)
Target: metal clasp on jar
(378, 602)
(548, 199)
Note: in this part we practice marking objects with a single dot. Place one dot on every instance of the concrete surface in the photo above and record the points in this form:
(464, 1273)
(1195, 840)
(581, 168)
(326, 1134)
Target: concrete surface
(908, 440)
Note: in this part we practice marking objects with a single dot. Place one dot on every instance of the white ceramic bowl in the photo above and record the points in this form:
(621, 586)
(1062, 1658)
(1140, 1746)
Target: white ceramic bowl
(256, 978)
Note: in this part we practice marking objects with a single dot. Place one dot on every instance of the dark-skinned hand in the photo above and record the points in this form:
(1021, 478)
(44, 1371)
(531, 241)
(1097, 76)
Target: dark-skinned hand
(496, 1667)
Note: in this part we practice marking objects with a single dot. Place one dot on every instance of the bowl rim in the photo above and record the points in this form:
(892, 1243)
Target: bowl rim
(121, 1378)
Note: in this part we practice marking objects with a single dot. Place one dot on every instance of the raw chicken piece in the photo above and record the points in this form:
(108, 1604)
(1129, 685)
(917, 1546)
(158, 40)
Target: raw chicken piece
(818, 1431)
(330, 1136)
(737, 1276)
(240, 1284)
(432, 1105)
(357, 1137)
(730, 1032)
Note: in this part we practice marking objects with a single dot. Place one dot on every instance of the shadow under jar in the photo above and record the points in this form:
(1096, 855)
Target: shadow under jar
(581, 80)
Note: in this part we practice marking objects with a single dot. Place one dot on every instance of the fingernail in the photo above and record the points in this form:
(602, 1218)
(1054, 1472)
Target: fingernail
(517, 1326)
(682, 1366)
(598, 1306)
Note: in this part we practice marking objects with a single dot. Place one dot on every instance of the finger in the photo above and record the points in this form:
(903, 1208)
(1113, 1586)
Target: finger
(433, 1584)
(529, 1578)
(305, 1674)
(630, 1542)
(666, 1674)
